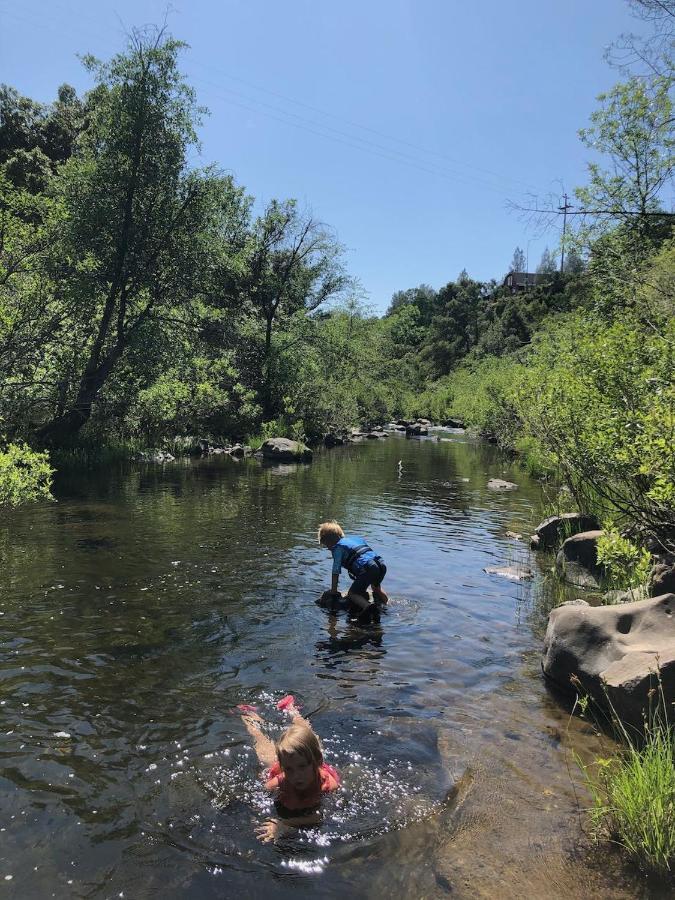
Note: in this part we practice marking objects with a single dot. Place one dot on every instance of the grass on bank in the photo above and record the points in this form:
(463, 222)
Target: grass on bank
(633, 791)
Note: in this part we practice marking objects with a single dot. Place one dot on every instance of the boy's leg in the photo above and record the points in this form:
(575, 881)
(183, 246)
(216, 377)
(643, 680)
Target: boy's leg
(378, 594)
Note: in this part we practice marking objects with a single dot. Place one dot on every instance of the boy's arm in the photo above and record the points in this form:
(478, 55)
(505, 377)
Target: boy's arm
(337, 565)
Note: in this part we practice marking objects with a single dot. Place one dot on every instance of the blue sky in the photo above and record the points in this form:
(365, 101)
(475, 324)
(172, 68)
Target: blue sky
(405, 125)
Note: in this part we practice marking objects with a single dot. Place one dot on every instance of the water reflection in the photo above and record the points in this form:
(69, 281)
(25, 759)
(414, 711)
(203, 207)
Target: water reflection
(143, 606)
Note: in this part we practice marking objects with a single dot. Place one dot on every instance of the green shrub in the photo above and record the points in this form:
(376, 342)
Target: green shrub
(627, 565)
(25, 475)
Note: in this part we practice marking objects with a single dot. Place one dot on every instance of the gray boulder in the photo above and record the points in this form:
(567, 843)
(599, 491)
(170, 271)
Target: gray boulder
(553, 531)
(285, 450)
(663, 576)
(417, 429)
(614, 651)
(239, 451)
(577, 560)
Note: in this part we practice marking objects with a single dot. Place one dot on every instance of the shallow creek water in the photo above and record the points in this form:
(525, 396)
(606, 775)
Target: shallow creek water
(138, 610)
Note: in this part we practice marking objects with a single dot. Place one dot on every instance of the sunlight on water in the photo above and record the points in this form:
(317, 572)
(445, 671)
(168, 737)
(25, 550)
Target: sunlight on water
(144, 606)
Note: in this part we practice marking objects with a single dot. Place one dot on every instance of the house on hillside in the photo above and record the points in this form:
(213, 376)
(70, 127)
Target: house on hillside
(521, 281)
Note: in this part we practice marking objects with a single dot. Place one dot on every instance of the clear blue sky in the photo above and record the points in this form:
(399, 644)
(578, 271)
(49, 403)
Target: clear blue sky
(405, 125)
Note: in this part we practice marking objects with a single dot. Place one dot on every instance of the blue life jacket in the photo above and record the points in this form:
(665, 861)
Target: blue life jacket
(358, 554)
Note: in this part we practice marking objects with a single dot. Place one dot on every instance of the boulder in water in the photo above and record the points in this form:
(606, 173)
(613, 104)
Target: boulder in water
(577, 560)
(553, 531)
(617, 653)
(285, 450)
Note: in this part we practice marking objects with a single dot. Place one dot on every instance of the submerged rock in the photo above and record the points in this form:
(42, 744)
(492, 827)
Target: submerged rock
(614, 651)
(513, 573)
(577, 560)
(155, 456)
(498, 484)
(285, 450)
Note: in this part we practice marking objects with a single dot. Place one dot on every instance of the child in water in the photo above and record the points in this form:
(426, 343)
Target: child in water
(296, 771)
(364, 566)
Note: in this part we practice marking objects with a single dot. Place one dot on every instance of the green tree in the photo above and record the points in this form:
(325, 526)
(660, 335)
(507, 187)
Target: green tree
(145, 232)
(634, 128)
(36, 138)
(294, 265)
(547, 263)
(518, 263)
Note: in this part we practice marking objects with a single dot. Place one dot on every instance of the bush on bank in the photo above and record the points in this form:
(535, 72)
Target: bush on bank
(25, 475)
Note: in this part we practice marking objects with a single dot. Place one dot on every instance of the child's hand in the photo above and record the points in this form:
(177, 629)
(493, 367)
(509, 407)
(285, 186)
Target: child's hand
(270, 831)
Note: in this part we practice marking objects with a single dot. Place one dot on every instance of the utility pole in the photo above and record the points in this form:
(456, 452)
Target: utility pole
(563, 209)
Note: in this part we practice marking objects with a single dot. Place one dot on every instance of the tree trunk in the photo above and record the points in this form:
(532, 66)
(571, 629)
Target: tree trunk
(62, 430)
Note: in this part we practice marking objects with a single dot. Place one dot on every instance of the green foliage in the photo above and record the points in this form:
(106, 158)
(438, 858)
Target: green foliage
(627, 565)
(599, 398)
(25, 475)
(634, 127)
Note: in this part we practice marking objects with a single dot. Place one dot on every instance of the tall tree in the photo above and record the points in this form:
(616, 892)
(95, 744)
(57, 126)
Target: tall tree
(634, 128)
(518, 263)
(547, 263)
(650, 54)
(294, 266)
(141, 227)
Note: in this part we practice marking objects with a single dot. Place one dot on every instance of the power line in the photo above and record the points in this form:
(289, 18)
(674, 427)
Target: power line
(362, 127)
(364, 144)
(355, 141)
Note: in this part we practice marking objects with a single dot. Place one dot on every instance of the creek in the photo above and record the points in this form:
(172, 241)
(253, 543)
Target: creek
(139, 609)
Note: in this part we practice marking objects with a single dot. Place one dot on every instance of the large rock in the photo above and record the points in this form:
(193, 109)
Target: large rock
(663, 576)
(285, 450)
(614, 651)
(417, 429)
(552, 531)
(577, 560)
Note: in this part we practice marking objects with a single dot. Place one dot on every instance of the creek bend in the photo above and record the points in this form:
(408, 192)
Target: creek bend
(139, 609)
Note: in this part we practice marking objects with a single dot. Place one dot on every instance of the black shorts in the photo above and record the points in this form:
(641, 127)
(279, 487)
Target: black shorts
(371, 574)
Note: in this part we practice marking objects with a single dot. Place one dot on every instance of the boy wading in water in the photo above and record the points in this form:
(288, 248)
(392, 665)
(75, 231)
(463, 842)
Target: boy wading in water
(365, 566)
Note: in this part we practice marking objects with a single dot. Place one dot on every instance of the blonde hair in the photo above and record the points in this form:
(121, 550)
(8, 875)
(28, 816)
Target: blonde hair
(299, 738)
(330, 529)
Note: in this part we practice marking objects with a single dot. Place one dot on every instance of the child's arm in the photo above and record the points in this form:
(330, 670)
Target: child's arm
(262, 745)
(335, 572)
(273, 829)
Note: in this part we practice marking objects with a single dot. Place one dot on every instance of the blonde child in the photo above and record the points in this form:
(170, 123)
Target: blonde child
(365, 566)
(296, 771)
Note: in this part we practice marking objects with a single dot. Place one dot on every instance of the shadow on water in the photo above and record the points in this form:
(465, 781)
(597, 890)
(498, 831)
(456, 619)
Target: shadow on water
(143, 606)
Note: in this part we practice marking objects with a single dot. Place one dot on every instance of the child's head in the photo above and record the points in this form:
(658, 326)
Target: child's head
(330, 533)
(300, 756)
